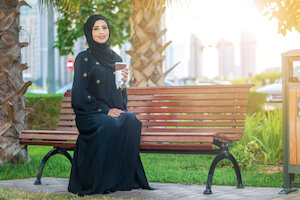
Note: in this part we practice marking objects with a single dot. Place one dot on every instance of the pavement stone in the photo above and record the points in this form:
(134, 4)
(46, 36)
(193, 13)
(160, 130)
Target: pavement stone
(163, 191)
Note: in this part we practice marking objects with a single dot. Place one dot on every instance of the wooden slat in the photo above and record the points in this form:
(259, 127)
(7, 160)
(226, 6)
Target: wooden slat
(186, 103)
(187, 87)
(176, 146)
(177, 133)
(67, 111)
(67, 129)
(187, 97)
(142, 146)
(228, 137)
(66, 105)
(191, 117)
(66, 123)
(195, 124)
(48, 136)
(177, 138)
(194, 130)
(186, 110)
(190, 91)
(49, 132)
(66, 99)
(208, 89)
(48, 143)
(67, 117)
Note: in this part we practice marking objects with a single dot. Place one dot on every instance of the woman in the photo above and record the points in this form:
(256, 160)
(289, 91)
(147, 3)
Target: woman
(106, 156)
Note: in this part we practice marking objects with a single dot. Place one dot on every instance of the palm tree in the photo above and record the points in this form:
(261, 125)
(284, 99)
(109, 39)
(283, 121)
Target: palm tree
(12, 87)
(146, 43)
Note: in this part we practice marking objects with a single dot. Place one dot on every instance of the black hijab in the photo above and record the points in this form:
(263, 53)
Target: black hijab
(102, 52)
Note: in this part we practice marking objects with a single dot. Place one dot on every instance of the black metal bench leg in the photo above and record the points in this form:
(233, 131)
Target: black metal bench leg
(52, 152)
(65, 153)
(40, 171)
(237, 171)
(222, 155)
(219, 157)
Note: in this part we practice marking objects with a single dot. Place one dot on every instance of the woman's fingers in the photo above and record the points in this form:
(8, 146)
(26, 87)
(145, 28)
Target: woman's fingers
(125, 74)
(115, 112)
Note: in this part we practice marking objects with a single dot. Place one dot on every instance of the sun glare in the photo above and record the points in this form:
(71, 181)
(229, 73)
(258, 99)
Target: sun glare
(214, 20)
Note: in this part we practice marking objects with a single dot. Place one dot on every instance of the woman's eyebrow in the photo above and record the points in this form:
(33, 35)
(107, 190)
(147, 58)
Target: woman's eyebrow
(99, 26)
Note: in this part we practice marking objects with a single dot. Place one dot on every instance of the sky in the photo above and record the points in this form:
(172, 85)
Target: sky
(215, 19)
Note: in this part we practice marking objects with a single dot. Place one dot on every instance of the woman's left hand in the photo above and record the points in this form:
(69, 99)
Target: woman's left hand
(125, 75)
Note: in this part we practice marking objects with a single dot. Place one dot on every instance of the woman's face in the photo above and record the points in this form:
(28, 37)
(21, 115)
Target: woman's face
(100, 31)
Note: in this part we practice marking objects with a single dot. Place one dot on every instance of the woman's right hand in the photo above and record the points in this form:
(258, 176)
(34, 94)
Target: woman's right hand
(115, 112)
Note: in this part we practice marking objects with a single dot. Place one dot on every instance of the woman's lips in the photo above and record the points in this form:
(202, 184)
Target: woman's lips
(102, 37)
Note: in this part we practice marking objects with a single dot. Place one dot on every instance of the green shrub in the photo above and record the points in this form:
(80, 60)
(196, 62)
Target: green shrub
(46, 114)
(256, 101)
(267, 129)
(262, 140)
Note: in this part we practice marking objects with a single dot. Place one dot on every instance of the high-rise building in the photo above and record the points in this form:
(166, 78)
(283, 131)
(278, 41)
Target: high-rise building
(30, 21)
(227, 68)
(196, 58)
(34, 23)
(248, 54)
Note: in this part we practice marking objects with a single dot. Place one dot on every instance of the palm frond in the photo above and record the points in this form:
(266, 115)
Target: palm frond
(70, 5)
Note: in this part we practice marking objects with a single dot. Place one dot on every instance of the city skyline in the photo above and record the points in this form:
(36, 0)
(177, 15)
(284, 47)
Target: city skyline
(214, 20)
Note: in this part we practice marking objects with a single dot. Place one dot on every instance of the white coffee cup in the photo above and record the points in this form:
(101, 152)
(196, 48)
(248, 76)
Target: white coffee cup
(119, 66)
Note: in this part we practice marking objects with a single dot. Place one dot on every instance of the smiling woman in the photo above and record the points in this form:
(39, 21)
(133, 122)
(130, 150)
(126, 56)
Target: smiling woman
(106, 155)
(100, 31)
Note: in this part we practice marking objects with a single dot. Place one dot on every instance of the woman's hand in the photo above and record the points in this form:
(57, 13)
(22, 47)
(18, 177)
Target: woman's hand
(125, 75)
(115, 112)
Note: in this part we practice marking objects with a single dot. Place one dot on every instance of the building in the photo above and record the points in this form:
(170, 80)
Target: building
(31, 21)
(195, 67)
(248, 54)
(227, 67)
(34, 23)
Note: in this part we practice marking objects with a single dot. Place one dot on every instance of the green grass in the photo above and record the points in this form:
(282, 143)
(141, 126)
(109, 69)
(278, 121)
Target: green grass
(163, 168)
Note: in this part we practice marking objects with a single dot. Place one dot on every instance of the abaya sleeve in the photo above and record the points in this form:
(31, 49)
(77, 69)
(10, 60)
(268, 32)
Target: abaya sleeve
(83, 102)
(124, 95)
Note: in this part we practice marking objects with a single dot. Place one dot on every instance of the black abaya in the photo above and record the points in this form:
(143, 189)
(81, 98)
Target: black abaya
(106, 156)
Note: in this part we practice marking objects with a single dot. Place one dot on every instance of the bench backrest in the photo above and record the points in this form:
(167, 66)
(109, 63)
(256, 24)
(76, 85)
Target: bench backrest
(192, 109)
(207, 109)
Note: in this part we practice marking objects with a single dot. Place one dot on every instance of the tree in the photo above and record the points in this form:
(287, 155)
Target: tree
(146, 43)
(285, 11)
(12, 87)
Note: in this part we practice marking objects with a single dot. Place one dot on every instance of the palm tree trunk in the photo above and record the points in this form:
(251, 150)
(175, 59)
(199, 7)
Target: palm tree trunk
(12, 86)
(146, 43)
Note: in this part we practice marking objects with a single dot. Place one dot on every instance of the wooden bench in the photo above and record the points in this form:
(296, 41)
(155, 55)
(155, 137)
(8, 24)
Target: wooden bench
(202, 119)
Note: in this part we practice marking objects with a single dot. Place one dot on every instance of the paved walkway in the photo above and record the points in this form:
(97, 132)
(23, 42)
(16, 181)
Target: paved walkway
(163, 190)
